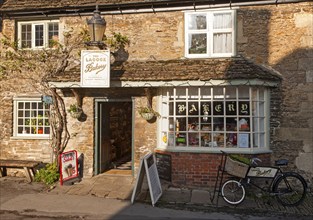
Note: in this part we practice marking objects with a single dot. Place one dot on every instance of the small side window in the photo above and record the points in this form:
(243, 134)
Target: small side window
(31, 118)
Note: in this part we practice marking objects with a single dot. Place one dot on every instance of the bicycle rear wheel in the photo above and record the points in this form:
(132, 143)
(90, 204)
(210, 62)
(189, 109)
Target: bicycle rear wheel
(233, 192)
(290, 189)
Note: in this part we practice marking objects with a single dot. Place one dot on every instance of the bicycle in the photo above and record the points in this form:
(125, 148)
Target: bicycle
(289, 188)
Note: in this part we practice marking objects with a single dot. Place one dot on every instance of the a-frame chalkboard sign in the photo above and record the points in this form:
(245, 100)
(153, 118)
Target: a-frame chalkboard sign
(148, 167)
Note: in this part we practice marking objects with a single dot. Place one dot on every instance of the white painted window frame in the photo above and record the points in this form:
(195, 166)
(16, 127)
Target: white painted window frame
(30, 135)
(35, 23)
(209, 31)
(255, 128)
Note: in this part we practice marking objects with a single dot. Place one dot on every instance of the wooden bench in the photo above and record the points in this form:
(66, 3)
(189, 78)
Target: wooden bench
(27, 165)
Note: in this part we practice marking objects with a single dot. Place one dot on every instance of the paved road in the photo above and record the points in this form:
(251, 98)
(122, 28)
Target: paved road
(20, 200)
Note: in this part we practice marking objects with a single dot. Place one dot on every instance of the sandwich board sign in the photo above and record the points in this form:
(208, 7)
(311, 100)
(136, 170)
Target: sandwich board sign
(148, 167)
(68, 166)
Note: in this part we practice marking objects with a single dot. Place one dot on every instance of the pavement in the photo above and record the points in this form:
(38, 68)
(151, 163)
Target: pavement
(106, 195)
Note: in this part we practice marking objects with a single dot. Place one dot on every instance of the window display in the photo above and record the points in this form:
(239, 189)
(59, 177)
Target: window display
(219, 117)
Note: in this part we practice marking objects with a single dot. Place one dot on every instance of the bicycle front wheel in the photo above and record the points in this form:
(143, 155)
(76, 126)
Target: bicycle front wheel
(290, 189)
(233, 192)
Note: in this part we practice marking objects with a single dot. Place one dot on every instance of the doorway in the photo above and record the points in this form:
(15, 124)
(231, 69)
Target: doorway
(113, 127)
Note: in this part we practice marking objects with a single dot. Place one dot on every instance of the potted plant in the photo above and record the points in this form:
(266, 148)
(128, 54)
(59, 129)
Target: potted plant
(37, 124)
(75, 111)
(147, 113)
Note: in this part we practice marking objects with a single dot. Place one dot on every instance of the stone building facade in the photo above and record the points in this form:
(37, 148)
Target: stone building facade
(272, 50)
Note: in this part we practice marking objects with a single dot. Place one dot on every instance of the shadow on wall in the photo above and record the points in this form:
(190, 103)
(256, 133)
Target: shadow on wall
(294, 136)
(81, 165)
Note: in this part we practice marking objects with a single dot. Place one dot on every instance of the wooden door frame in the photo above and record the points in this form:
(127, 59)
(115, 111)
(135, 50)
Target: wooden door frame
(97, 131)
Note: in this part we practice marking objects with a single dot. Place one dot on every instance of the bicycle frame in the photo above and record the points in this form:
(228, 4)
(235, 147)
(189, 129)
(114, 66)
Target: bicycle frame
(263, 172)
(288, 187)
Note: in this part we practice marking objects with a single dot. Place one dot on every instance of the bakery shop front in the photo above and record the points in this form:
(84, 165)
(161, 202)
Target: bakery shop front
(208, 110)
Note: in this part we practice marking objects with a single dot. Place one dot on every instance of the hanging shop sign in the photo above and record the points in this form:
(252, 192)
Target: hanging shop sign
(68, 166)
(95, 68)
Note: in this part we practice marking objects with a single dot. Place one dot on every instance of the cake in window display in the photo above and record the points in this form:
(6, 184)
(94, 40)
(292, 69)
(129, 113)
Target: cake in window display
(193, 137)
(231, 138)
(243, 125)
(206, 140)
(218, 138)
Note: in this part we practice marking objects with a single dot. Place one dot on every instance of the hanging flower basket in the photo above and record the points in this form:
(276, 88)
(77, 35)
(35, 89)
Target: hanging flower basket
(76, 114)
(148, 113)
(147, 116)
(75, 111)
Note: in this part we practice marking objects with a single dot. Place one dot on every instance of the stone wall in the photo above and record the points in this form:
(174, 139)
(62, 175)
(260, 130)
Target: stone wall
(284, 41)
(145, 133)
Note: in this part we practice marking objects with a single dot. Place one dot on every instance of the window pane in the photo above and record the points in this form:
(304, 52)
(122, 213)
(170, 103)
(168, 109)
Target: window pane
(38, 35)
(34, 121)
(26, 40)
(231, 108)
(53, 33)
(243, 92)
(218, 93)
(231, 93)
(222, 43)
(197, 43)
(222, 21)
(197, 22)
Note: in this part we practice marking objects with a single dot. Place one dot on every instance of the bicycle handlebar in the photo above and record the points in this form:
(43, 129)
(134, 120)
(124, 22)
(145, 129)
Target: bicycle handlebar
(255, 160)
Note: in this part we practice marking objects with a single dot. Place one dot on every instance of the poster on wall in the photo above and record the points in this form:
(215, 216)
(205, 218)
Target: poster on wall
(95, 68)
(68, 166)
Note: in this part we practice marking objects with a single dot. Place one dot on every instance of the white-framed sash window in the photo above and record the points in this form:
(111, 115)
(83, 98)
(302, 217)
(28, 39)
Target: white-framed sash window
(37, 34)
(210, 34)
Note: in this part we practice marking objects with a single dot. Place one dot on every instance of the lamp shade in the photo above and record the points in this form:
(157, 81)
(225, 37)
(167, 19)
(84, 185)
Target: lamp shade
(96, 25)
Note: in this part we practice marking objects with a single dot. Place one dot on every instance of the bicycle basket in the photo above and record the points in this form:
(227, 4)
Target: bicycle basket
(236, 168)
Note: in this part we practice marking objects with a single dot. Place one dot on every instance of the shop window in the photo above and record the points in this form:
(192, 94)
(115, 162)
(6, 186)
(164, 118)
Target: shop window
(210, 34)
(214, 117)
(39, 34)
(31, 118)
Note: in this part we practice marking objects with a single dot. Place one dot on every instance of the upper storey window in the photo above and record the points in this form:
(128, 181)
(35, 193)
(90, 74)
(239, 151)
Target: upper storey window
(210, 34)
(37, 34)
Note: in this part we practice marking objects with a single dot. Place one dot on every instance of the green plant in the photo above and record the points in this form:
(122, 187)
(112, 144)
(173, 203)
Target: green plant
(117, 40)
(48, 175)
(144, 109)
(36, 122)
(240, 159)
(74, 108)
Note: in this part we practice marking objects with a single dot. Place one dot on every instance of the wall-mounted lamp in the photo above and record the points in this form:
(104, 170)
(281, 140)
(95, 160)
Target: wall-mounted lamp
(96, 25)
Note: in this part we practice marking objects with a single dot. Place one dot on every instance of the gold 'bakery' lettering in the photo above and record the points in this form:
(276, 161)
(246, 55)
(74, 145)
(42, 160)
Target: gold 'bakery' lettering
(231, 108)
(218, 108)
(244, 108)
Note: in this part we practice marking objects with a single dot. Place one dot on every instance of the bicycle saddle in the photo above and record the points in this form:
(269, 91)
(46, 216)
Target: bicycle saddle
(281, 162)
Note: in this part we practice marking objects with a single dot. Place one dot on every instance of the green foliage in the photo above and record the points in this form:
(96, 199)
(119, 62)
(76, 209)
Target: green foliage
(48, 175)
(144, 109)
(240, 158)
(74, 108)
(117, 40)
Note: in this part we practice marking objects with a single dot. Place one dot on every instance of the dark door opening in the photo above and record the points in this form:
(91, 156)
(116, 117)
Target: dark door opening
(114, 148)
